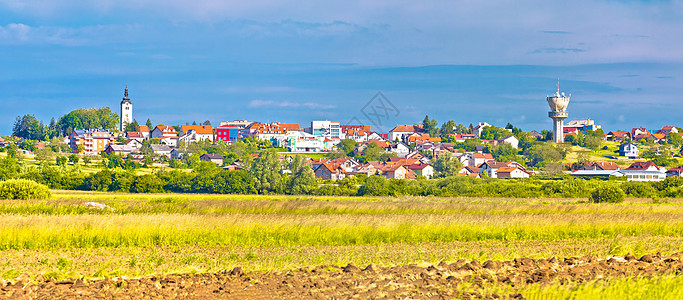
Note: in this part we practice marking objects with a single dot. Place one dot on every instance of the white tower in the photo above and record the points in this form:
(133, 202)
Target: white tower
(126, 110)
(558, 112)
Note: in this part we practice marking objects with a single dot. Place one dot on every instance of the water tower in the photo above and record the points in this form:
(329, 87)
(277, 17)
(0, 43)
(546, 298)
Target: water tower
(558, 112)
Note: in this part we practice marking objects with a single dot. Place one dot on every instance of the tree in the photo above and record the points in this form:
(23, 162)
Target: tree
(73, 158)
(207, 122)
(133, 126)
(28, 127)
(447, 165)
(303, 180)
(88, 118)
(430, 126)
(447, 128)
(347, 146)
(607, 194)
(542, 154)
(267, 171)
(149, 124)
(674, 139)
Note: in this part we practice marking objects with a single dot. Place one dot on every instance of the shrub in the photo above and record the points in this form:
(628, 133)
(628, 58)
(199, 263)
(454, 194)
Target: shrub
(23, 189)
(608, 194)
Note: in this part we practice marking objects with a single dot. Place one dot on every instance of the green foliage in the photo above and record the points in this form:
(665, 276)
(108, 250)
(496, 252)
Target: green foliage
(347, 146)
(494, 133)
(542, 154)
(268, 173)
(87, 118)
(607, 194)
(29, 127)
(447, 165)
(23, 189)
(430, 126)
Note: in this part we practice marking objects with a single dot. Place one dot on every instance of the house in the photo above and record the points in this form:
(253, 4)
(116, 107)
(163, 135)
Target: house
(477, 130)
(630, 150)
(138, 136)
(460, 138)
(358, 133)
(582, 125)
(164, 150)
(675, 172)
(90, 141)
(645, 166)
(513, 141)
(169, 141)
(234, 166)
(329, 171)
(421, 169)
(419, 139)
(643, 175)
(598, 173)
(618, 136)
(603, 166)
(135, 144)
(227, 133)
(512, 172)
(212, 157)
(400, 132)
(122, 150)
(276, 133)
(162, 131)
(196, 133)
(475, 159)
(145, 131)
(397, 171)
(535, 134)
(638, 131)
(491, 167)
(377, 136)
(240, 124)
(667, 129)
(398, 148)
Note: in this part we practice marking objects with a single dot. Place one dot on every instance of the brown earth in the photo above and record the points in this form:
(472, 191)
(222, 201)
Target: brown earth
(445, 280)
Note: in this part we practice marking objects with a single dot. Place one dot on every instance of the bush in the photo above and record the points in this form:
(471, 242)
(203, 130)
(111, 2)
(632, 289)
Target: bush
(23, 189)
(607, 194)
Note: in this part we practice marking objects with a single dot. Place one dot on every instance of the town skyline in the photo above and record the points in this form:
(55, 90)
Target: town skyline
(271, 62)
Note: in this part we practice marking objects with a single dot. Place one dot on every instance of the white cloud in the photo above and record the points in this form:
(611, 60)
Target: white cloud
(287, 104)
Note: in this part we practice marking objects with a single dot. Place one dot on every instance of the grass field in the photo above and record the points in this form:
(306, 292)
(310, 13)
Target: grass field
(142, 235)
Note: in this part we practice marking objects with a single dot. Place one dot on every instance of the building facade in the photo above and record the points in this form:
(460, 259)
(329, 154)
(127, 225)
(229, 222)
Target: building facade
(326, 129)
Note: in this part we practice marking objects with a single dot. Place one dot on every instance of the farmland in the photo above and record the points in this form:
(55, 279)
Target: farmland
(270, 236)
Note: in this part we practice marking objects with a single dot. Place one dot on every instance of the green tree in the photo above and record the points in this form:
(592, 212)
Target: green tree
(267, 171)
(347, 145)
(88, 118)
(447, 128)
(73, 158)
(430, 126)
(674, 139)
(607, 194)
(149, 124)
(303, 180)
(133, 126)
(447, 165)
(542, 154)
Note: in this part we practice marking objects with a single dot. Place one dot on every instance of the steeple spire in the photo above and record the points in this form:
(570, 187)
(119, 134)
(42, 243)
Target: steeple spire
(125, 94)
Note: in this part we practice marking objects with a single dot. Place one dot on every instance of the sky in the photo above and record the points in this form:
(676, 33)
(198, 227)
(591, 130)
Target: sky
(297, 61)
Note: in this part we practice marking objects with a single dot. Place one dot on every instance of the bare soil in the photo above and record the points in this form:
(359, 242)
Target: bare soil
(445, 280)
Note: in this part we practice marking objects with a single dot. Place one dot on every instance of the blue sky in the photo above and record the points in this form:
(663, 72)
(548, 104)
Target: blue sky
(295, 61)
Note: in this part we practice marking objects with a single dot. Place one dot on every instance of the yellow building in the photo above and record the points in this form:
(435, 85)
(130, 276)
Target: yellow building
(90, 141)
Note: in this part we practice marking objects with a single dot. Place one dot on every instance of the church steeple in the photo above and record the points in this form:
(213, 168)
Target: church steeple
(125, 95)
(126, 110)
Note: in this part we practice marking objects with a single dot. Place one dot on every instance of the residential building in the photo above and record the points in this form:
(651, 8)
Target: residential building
(227, 133)
(122, 150)
(479, 128)
(277, 133)
(667, 129)
(325, 129)
(675, 172)
(490, 168)
(398, 148)
(645, 166)
(240, 124)
(145, 131)
(475, 159)
(643, 175)
(629, 150)
(582, 125)
(511, 140)
(400, 132)
(604, 166)
(358, 133)
(618, 136)
(212, 157)
(311, 144)
(164, 150)
(139, 136)
(196, 133)
(511, 172)
(421, 169)
(461, 138)
(397, 171)
(90, 141)
(164, 131)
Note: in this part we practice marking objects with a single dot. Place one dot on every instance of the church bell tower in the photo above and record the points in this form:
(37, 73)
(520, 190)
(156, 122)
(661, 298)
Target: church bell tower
(126, 110)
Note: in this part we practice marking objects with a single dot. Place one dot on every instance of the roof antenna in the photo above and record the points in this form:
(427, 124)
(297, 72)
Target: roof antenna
(558, 85)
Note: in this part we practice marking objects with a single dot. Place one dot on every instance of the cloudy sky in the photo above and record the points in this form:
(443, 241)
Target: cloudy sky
(296, 61)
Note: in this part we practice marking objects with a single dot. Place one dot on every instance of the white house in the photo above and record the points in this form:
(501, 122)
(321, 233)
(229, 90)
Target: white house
(513, 141)
(400, 132)
(479, 128)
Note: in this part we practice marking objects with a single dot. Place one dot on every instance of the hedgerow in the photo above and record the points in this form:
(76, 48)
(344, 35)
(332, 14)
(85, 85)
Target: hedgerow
(23, 189)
